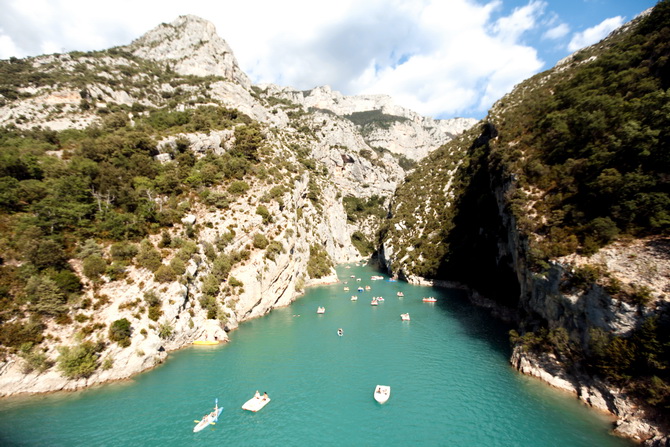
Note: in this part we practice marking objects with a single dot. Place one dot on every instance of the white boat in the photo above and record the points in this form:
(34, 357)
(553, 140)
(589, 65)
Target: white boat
(209, 419)
(405, 317)
(430, 299)
(340, 332)
(400, 294)
(256, 403)
(374, 302)
(320, 310)
(382, 393)
(346, 289)
(354, 298)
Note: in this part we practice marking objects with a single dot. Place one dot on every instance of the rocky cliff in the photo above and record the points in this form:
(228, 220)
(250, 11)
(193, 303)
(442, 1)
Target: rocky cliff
(245, 232)
(491, 211)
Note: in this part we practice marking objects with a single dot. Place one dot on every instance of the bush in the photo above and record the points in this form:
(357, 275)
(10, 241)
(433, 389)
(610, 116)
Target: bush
(319, 263)
(35, 361)
(178, 266)
(260, 241)
(165, 330)
(238, 187)
(274, 248)
(640, 295)
(120, 332)
(152, 298)
(164, 273)
(90, 248)
(234, 282)
(148, 257)
(79, 361)
(14, 334)
(154, 313)
(94, 266)
(67, 281)
(210, 285)
(264, 213)
(45, 296)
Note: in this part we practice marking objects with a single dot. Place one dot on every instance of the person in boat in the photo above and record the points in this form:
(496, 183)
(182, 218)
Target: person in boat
(265, 395)
(257, 395)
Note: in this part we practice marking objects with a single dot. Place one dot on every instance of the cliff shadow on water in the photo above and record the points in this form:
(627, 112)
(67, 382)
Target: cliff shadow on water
(477, 322)
(478, 230)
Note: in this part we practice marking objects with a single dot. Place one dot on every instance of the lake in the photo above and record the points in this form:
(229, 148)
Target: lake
(448, 369)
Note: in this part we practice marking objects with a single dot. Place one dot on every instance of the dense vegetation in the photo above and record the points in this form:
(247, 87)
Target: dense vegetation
(579, 157)
(589, 146)
(65, 195)
(372, 119)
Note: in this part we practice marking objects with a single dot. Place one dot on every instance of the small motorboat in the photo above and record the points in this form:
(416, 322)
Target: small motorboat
(400, 294)
(374, 302)
(382, 393)
(353, 276)
(360, 289)
(340, 332)
(209, 419)
(368, 287)
(404, 317)
(346, 289)
(358, 279)
(257, 402)
(430, 299)
(354, 298)
(320, 310)
(380, 299)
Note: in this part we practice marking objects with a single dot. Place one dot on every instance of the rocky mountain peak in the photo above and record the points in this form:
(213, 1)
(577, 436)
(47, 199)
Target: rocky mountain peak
(193, 47)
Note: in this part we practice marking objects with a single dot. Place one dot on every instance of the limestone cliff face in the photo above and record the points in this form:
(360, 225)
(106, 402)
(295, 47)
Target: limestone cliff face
(191, 45)
(410, 134)
(480, 229)
(317, 154)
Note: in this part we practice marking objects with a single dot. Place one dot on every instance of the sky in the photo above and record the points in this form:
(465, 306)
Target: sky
(441, 58)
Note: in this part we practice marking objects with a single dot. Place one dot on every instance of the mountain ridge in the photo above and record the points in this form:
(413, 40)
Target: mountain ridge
(147, 203)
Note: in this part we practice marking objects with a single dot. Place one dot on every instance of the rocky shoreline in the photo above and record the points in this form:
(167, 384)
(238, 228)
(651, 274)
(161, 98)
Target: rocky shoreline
(143, 355)
(630, 421)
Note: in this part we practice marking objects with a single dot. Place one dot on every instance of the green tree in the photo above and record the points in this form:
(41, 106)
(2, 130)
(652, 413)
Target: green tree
(120, 332)
(148, 257)
(94, 266)
(79, 361)
(45, 296)
(164, 273)
(248, 140)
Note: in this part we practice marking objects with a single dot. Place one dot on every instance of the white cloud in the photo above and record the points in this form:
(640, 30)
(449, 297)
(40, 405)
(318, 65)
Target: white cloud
(523, 19)
(440, 58)
(7, 47)
(595, 34)
(557, 32)
(473, 60)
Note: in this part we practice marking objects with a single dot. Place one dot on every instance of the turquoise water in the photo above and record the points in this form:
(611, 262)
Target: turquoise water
(451, 384)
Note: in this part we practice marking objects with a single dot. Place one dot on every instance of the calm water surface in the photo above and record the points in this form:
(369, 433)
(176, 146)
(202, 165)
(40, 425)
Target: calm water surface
(451, 384)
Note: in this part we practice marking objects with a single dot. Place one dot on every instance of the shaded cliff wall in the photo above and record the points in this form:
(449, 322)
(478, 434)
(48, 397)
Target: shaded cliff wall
(477, 241)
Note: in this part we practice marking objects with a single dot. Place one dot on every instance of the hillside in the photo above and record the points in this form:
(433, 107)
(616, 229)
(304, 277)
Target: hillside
(152, 196)
(555, 207)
